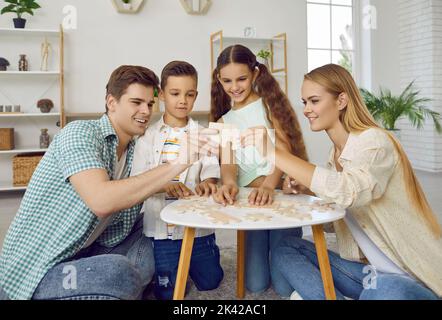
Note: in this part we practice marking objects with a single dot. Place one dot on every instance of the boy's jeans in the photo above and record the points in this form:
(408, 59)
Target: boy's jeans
(100, 273)
(296, 259)
(205, 268)
(259, 247)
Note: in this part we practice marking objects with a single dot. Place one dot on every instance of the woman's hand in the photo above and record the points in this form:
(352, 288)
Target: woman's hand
(226, 194)
(260, 139)
(291, 186)
(207, 187)
(178, 190)
(261, 196)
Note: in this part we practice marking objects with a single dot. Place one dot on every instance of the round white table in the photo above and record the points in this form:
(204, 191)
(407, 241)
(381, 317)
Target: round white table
(288, 211)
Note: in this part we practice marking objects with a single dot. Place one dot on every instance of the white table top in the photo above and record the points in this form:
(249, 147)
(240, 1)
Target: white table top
(205, 213)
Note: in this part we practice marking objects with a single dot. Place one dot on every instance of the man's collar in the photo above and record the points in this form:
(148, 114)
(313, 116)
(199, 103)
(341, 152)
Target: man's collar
(106, 126)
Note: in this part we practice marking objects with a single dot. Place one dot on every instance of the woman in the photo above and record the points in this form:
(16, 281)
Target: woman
(390, 241)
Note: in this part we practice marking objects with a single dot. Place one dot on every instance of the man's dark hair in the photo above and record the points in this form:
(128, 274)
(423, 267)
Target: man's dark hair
(178, 69)
(124, 76)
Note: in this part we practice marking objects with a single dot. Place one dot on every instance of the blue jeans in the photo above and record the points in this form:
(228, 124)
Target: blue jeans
(297, 261)
(205, 268)
(259, 247)
(100, 273)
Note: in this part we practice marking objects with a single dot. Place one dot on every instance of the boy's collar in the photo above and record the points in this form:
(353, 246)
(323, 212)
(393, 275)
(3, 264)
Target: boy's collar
(161, 124)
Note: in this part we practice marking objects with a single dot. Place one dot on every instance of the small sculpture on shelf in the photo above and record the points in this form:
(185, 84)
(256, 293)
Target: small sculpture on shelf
(44, 139)
(23, 63)
(45, 105)
(4, 64)
(45, 49)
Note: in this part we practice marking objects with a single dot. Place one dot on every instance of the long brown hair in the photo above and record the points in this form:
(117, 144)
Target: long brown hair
(356, 118)
(279, 111)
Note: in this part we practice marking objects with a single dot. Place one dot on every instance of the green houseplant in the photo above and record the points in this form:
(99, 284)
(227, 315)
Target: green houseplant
(388, 109)
(19, 7)
(264, 55)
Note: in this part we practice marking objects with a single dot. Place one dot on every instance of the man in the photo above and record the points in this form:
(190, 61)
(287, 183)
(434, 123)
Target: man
(78, 232)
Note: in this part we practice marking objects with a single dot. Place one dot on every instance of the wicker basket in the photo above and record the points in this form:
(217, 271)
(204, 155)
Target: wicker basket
(23, 166)
(6, 138)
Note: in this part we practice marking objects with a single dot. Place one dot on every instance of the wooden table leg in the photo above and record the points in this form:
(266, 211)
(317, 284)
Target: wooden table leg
(240, 268)
(324, 262)
(184, 264)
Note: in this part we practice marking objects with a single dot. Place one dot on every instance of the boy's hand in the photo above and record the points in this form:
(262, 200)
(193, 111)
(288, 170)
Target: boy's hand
(261, 196)
(178, 190)
(206, 188)
(226, 194)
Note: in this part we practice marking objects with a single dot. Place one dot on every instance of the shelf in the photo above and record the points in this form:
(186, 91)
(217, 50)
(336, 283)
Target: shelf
(26, 32)
(29, 73)
(244, 39)
(29, 115)
(7, 186)
(19, 151)
(99, 114)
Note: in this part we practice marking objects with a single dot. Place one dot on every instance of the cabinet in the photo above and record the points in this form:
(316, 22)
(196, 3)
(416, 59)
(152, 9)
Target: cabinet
(25, 88)
(277, 46)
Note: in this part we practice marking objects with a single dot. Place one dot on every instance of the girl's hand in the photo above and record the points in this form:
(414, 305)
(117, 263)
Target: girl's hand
(226, 194)
(206, 188)
(291, 186)
(178, 190)
(261, 196)
(259, 138)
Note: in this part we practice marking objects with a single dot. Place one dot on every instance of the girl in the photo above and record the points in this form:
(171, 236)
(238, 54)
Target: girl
(390, 241)
(244, 95)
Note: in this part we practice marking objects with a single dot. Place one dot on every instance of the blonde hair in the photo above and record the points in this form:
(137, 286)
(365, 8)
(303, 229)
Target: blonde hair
(356, 118)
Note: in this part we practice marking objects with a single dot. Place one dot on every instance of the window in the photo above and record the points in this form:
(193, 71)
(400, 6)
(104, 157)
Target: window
(330, 33)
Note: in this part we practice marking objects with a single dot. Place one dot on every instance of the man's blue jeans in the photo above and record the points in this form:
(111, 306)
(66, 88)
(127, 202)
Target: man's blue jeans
(100, 273)
(297, 262)
(259, 250)
(205, 268)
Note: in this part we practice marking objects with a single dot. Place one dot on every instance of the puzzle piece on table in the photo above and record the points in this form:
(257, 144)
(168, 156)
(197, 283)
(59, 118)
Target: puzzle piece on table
(321, 206)
(255, 217)
(219, 217)
(291, 211)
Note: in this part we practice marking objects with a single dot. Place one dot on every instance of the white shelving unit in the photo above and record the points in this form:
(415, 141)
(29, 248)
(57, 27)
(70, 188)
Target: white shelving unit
(30, 85)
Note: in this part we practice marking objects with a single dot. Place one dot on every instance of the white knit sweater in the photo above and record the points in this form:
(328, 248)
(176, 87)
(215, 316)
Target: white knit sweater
(372, 187)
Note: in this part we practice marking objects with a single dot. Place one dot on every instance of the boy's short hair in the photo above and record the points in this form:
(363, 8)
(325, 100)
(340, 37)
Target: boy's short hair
(178, 69)
(124, 76)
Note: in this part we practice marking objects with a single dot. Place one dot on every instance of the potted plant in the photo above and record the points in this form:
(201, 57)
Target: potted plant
(4, 64)
(19, 7)
(388, 109)
(264, 55)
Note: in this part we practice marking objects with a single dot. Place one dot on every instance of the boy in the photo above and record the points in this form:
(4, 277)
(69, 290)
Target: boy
(160, 145)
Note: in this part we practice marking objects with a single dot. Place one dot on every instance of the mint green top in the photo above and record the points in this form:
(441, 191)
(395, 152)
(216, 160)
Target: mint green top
(250, 163)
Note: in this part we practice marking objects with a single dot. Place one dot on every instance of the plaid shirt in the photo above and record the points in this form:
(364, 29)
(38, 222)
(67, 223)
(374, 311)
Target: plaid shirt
(53, 223)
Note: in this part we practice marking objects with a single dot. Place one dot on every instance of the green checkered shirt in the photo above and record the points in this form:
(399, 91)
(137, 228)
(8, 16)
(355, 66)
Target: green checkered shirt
(53, 223)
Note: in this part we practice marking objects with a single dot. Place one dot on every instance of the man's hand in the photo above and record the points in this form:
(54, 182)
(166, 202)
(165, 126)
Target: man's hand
(226, 194)
(177, 190)
(261, 196)
(207, 187)
(196, 144)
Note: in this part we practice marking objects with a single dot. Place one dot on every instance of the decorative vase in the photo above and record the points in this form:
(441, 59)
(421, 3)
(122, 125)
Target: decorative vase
(45, 105)
(44, 139)
(23, 63)
(127, 6)
(19, 23)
